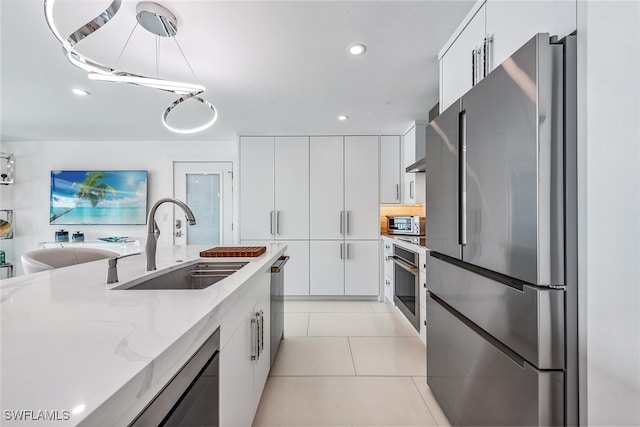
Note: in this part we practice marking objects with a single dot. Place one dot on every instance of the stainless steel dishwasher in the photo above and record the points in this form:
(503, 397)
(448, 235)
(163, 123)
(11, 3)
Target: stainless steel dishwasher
(277, 304)
(191, 397)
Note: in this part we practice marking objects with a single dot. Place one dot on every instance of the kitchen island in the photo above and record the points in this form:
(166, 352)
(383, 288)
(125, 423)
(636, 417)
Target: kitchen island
(74, 351)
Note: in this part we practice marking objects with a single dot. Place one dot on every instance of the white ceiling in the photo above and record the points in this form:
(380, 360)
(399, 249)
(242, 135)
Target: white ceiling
(273, 67)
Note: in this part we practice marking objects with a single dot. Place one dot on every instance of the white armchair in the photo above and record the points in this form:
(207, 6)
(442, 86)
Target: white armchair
(49, 259)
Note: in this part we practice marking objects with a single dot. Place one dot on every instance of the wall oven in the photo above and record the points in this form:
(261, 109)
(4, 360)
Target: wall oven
(191, 397)
(406, 284)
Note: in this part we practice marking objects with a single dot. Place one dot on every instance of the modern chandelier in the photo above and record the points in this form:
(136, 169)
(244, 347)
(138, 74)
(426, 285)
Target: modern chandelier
(154, 18)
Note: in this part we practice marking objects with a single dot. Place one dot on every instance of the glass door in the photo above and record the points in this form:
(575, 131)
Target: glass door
(206, 188)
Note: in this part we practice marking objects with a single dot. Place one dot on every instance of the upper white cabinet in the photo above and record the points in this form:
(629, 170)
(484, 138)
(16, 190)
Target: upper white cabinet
(512, 24)
(274, 188)
(390, 173)
(493, 30)
(457, 64)
(413, 147)
(344, 187)
(326, 187)
(257, 170)
(291, 188)
(361, 203)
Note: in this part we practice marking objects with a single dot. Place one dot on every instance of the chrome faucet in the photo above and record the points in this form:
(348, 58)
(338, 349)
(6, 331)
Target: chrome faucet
(112, 272)
(153, 231)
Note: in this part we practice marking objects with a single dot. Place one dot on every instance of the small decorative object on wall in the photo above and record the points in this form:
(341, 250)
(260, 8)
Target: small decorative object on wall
(98, 197)
(6, 168)
(6, 224)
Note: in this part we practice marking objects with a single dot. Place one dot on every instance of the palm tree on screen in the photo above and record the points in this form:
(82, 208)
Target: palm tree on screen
(92, 189)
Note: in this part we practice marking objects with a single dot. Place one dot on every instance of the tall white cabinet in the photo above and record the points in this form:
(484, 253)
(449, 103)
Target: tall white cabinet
(320, 196)
(344, 220)
(274, 201)
(390, 173)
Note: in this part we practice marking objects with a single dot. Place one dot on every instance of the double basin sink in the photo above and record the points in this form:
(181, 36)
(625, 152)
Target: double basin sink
(194, 276)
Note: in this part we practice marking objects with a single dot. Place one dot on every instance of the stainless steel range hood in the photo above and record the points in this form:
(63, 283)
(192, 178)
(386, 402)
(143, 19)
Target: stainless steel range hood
(417, 167)
(420, 164)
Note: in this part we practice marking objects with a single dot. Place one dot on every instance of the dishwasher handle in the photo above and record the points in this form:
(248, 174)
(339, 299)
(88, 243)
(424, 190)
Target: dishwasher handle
(276, 267)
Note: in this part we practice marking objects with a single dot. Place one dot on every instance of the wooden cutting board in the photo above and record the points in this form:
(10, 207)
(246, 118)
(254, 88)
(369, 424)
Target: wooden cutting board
(234, 251)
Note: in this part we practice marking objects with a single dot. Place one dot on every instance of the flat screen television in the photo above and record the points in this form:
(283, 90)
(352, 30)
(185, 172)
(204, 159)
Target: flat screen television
(84, 197)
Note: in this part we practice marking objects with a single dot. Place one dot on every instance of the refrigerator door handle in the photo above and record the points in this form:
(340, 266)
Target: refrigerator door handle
(462, 178)
(473, 67)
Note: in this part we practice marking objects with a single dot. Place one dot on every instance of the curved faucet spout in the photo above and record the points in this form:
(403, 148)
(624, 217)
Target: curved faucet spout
(153, 232)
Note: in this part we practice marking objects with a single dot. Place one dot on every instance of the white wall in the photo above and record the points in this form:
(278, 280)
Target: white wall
(29, 195)
(609, 211)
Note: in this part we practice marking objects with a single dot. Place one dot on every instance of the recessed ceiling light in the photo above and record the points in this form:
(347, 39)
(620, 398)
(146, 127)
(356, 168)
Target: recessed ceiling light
(79, 92)
(357, 49)
(343, 117)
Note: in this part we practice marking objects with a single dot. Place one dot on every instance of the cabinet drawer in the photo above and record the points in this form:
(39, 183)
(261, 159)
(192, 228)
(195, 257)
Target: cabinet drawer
(528, 319)
(476, 383)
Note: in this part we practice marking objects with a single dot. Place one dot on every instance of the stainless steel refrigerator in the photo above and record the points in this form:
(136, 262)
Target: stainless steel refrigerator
(501, 273)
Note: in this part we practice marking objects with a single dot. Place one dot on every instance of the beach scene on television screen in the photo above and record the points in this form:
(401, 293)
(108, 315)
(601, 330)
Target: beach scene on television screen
(98, 197)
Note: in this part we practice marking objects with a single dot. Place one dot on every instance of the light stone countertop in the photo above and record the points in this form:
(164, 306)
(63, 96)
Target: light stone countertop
(91, 355)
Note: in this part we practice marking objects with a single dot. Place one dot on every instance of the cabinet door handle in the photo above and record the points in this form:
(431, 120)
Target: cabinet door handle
(488, 41)
(277, 222)
(348, 250)
(271, 223)
(341, 250)
(261, 329)
(342, 223)
(398, 192)
(473, 67)
(254, 337)
(348, 222)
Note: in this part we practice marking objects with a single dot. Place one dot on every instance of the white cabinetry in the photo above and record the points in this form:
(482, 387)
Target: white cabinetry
(360, 273)
(512, 24)
(390, 173)
(344, 217)
(413, 141)
(456, 65)
(274, 186)
(361, 202)
(387, 281)
(326, 179)
(274, 201)
(508, 25)
(243, 373)
(257, 169)
(327, 267)
(408, 158)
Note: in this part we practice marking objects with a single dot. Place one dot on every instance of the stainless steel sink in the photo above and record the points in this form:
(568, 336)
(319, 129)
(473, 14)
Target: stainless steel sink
(194, 276)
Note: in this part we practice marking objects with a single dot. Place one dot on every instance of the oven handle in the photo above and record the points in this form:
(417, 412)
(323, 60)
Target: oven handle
(404, 264)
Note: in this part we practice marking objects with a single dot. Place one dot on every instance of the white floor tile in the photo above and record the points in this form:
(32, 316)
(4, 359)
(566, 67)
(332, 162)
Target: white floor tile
(296, 324)
(315, 356)
(383, 307)
(432, 403)
(342, 401)
(358, 324)
(327, 306)
(392, 356)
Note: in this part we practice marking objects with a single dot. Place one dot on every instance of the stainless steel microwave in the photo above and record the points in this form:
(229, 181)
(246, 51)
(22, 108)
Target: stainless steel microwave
(413, 225)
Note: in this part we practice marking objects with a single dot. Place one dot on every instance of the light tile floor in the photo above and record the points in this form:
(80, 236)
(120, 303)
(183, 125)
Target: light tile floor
(348, 363)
